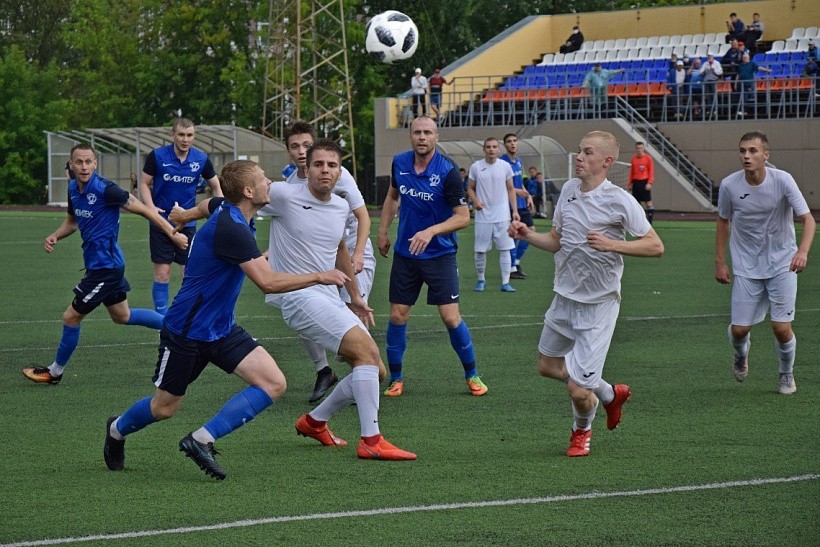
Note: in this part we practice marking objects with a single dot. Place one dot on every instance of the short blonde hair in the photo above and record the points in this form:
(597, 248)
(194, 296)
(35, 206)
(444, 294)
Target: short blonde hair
(611, 146)
(235, 177)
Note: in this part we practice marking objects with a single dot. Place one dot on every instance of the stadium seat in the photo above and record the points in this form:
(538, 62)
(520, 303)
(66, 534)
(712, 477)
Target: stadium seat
(709, 38)
(812, 32)
(609, 44)
(697, 39)
(663, 40)
(791, 45)
(571, 57)
(558, 58)
(798, 33)
(701, 50)
(802, 44)
(599, 44)
(600, 56)
(623, 54)
(778, 46)
(620, 43)
(588, 45)
(617, 89)
(612, 55)
(722, 49)
(631, 43)
(675, 40)
(759, 58)
(652, 41)
(641, 42)
(547, 59)
(685, 40)
(667, 51)
(529, 69)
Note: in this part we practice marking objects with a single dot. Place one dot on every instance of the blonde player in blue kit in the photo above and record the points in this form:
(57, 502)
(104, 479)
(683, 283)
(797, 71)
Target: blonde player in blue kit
(757, 206)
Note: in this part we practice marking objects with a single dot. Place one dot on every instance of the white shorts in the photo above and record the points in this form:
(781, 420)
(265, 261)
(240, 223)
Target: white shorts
(364, 279)
(752, 298)
(487, 233)
(318, 317)
(581, 333)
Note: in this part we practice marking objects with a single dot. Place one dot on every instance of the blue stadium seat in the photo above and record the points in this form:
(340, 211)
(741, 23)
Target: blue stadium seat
(530, 69)
(783, 57)
(759, 58)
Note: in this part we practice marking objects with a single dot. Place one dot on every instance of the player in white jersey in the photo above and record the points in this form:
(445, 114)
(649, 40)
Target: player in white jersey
(588, 233)
(298, 138)
(490, 188)
(758, 205)
(307, 228)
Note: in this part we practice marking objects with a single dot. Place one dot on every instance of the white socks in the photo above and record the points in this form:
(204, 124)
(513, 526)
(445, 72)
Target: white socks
(480, 265)
(505, 261)
(366, 392)
(583, 421)
(785, 352)
(317, 353)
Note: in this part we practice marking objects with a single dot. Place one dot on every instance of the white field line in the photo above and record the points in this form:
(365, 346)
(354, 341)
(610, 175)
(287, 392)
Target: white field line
(374, 332)
(417, 509)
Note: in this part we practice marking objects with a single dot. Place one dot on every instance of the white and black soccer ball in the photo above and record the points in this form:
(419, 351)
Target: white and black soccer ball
(391, 36)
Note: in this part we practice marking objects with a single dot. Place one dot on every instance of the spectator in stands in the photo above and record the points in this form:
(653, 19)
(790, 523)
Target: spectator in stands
(437, 82)
(676, 79)
(736, 28)
(419, 85)
(754, 33)
(687, 61)
(574, 41)
(812, 51)
(730, 61)
(695, 86)
(673, 61)
(746, 71)
(711, 71)
(811, 70)
(596, 82)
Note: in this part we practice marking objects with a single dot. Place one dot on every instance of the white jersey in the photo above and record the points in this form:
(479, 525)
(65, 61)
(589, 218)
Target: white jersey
(583, 274)
(762, 242)
(347, 189)
(491, 189)
(304, 234)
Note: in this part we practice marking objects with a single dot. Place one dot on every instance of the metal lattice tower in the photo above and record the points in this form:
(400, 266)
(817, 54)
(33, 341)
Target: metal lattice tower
(307, 75)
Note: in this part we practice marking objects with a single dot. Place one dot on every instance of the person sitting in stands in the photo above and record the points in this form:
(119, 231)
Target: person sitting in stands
(574, 41)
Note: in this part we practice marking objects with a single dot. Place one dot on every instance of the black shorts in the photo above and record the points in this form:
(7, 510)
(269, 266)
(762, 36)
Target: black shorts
(525, 216)
(182, 360)
(639, 190)
(107, 287)
(163, 250)
(440, 274)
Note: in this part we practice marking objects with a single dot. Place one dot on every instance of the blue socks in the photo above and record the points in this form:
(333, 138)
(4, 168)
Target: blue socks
(145, 318)
(240, 409)
(520, 248)
(462, 342)
(160, 293)
(68, 343)
(396, 345)
(136, 417)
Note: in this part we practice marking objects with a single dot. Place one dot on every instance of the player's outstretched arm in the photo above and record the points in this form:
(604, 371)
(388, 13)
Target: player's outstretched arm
(68, 227)
(801, 257)
(649, 245)
(391, 203)
(549, 241)
(258, 270)
(135, 206)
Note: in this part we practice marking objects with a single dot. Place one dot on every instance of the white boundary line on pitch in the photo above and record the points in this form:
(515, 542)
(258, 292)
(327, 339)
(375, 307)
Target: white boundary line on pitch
(416, 509)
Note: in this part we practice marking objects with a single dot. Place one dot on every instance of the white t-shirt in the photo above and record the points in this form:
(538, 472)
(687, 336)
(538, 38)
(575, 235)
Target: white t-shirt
(304, 233)
(582, 273)
(419, 85)
(347, 189)
(491, 189)
(762, 240)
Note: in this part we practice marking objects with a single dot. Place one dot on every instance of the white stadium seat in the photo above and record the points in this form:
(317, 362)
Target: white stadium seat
(652, 41)
(620, 43)
(587, 46)
(686, 39)
(663, 40)
(812, 32)
(791, 45)
(630, 43)
(709, 38)
(641, 42)
(798, 33)
(609, 44)
(802, 44)
(778, 46)
(675, 40)
(559, 58)
(612, 54)
(697, 39)
(548, 58)
(599, 44)
(601, 55)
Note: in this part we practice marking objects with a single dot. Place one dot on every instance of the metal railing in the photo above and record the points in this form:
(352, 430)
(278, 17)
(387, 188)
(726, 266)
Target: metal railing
(683, 165)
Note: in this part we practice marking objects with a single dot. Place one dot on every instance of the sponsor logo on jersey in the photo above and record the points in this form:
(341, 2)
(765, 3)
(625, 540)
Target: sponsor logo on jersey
(413, 193)
(744, 196)
(194, 166)
(178, 178)
(434, 180)
(92, 198)
(83, 213)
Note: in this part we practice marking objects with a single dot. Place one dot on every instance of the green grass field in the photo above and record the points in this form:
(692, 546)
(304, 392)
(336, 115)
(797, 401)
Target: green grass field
(698, 459)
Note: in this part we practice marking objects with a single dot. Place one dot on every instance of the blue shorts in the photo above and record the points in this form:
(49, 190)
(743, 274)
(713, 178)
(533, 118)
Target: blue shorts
(163, 250)
(525, 216)
(435, 99)
(107, 286)
(440, 274)
(182, 360)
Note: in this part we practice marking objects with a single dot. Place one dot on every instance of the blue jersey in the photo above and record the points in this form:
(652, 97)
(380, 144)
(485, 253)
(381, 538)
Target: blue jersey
(97, 211)
(518, 179)
(427, 198)
(175, 181)
(203, 309)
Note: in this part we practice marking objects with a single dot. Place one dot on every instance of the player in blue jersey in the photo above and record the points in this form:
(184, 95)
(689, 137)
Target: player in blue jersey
(199, 327)
(433, 209)
(169, 176)
(94, 208)
(523, 201)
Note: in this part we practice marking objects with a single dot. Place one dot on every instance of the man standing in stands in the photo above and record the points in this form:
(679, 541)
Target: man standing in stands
(596, 82)
(641, 179)
(574, 41)
(419, 86)
(437, 82)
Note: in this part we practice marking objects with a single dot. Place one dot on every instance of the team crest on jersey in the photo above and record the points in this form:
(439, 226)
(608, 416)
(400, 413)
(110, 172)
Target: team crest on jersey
(194, 166)
(434, 180)
(92, 198)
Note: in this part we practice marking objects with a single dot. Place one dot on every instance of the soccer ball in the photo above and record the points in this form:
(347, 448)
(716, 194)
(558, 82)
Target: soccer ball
(391, 36)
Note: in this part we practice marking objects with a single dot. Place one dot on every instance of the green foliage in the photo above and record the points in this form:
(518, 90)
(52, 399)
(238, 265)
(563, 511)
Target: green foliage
(29, 105)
